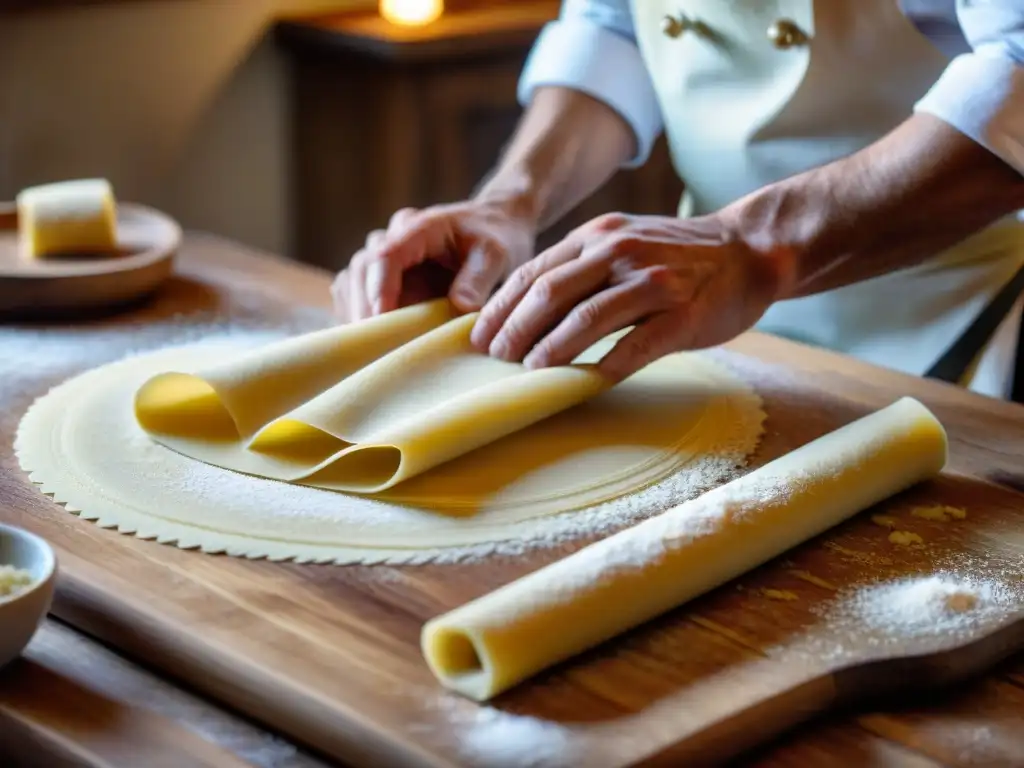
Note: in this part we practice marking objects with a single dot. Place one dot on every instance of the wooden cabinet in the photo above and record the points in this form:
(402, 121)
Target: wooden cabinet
(385, 117)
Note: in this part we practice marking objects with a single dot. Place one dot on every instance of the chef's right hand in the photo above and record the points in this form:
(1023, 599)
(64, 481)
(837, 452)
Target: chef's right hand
(462, 250)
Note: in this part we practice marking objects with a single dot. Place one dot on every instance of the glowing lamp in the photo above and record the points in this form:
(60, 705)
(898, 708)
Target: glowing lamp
(411, 13)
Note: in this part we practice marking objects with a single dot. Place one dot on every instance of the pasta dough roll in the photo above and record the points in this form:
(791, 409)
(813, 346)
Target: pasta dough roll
(498, 640)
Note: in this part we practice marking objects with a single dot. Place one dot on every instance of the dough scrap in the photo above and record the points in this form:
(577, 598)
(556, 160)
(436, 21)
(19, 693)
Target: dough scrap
(82, 443)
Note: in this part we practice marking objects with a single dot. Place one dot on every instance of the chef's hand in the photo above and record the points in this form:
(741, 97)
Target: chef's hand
(462, 250)
(683, 284)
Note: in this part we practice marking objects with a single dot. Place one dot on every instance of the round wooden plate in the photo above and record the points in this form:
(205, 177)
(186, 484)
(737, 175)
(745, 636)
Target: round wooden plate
(148, 241)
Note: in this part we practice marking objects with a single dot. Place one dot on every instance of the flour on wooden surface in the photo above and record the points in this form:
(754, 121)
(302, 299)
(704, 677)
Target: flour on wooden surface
(39, 357)
(912, 614)
(664, 535)
(936, 604)
(189, 478)
(493, 738)
(36, 355)
(496, 738)
(967, 598)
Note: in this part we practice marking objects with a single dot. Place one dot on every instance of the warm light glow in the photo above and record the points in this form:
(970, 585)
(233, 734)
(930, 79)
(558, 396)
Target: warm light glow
(411, 13)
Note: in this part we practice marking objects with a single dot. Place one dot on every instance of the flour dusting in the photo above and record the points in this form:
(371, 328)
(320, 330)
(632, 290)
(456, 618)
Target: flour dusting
(493, 738)
(297, 506)
(42, 357)
(36, 355)
(937, 604)
(497, 738)
(646, 545)
(966, 599)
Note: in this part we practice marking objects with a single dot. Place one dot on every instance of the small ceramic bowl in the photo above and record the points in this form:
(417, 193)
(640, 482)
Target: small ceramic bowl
(23, 612)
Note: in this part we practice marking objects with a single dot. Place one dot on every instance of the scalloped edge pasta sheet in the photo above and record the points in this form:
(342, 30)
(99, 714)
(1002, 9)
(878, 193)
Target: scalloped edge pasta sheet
(81, 443)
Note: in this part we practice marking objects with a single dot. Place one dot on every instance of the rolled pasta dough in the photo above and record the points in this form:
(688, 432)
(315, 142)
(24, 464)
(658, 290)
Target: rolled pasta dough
(502, 638)
(402, 407)
(688, 420)
(357, 408)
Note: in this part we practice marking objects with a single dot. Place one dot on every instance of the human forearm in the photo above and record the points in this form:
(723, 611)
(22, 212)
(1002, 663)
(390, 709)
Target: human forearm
(917, 191)
(566, 146)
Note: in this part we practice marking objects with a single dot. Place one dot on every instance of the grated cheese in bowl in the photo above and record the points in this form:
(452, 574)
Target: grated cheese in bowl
(13, 580)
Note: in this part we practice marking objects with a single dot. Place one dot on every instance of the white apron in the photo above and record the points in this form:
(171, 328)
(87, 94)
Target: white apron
(742, 111)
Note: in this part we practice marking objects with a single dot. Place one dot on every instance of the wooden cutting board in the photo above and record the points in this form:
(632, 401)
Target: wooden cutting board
(330, 655)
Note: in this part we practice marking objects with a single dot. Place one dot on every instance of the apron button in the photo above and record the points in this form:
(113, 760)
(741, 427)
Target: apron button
(674, 26)
(786, 34)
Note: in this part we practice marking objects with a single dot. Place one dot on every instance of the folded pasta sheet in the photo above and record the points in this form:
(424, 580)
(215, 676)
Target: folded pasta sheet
(552, 614)
(358, 407)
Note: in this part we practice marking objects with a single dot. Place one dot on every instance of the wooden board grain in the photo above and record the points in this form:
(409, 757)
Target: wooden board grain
(50, 718)
(330, 655)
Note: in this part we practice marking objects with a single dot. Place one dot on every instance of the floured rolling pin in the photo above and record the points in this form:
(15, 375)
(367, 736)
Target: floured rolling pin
(500, 639)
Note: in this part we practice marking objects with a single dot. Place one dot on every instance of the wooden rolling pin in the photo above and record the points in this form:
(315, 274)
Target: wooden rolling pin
(500, 639)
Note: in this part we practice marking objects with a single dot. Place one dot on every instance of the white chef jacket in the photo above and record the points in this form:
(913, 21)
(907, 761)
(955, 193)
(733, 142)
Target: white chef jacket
(592, 48)
(977, 87)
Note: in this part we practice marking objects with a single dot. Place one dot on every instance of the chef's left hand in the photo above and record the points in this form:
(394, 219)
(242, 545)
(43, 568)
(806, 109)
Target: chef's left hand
(683, 283)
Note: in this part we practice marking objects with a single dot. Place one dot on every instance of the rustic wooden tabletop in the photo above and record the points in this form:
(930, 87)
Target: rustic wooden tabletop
(74, 700)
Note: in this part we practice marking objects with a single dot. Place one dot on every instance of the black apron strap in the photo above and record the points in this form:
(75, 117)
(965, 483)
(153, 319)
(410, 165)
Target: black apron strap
(1017, 390)
(957, 359)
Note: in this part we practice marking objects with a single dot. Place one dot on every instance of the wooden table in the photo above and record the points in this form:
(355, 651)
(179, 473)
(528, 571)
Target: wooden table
(71, 701)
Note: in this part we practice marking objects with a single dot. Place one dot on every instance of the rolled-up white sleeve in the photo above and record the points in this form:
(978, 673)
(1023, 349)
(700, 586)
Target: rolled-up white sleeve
(981, 93)
(592, 48)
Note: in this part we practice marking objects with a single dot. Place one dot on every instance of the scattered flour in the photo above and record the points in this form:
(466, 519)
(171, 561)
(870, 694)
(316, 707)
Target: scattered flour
(930, 605)
(659, 537)
(363, 517)
(487, 737)
(967, 599)
(499, 739)
(38, 357)
(35, 357)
